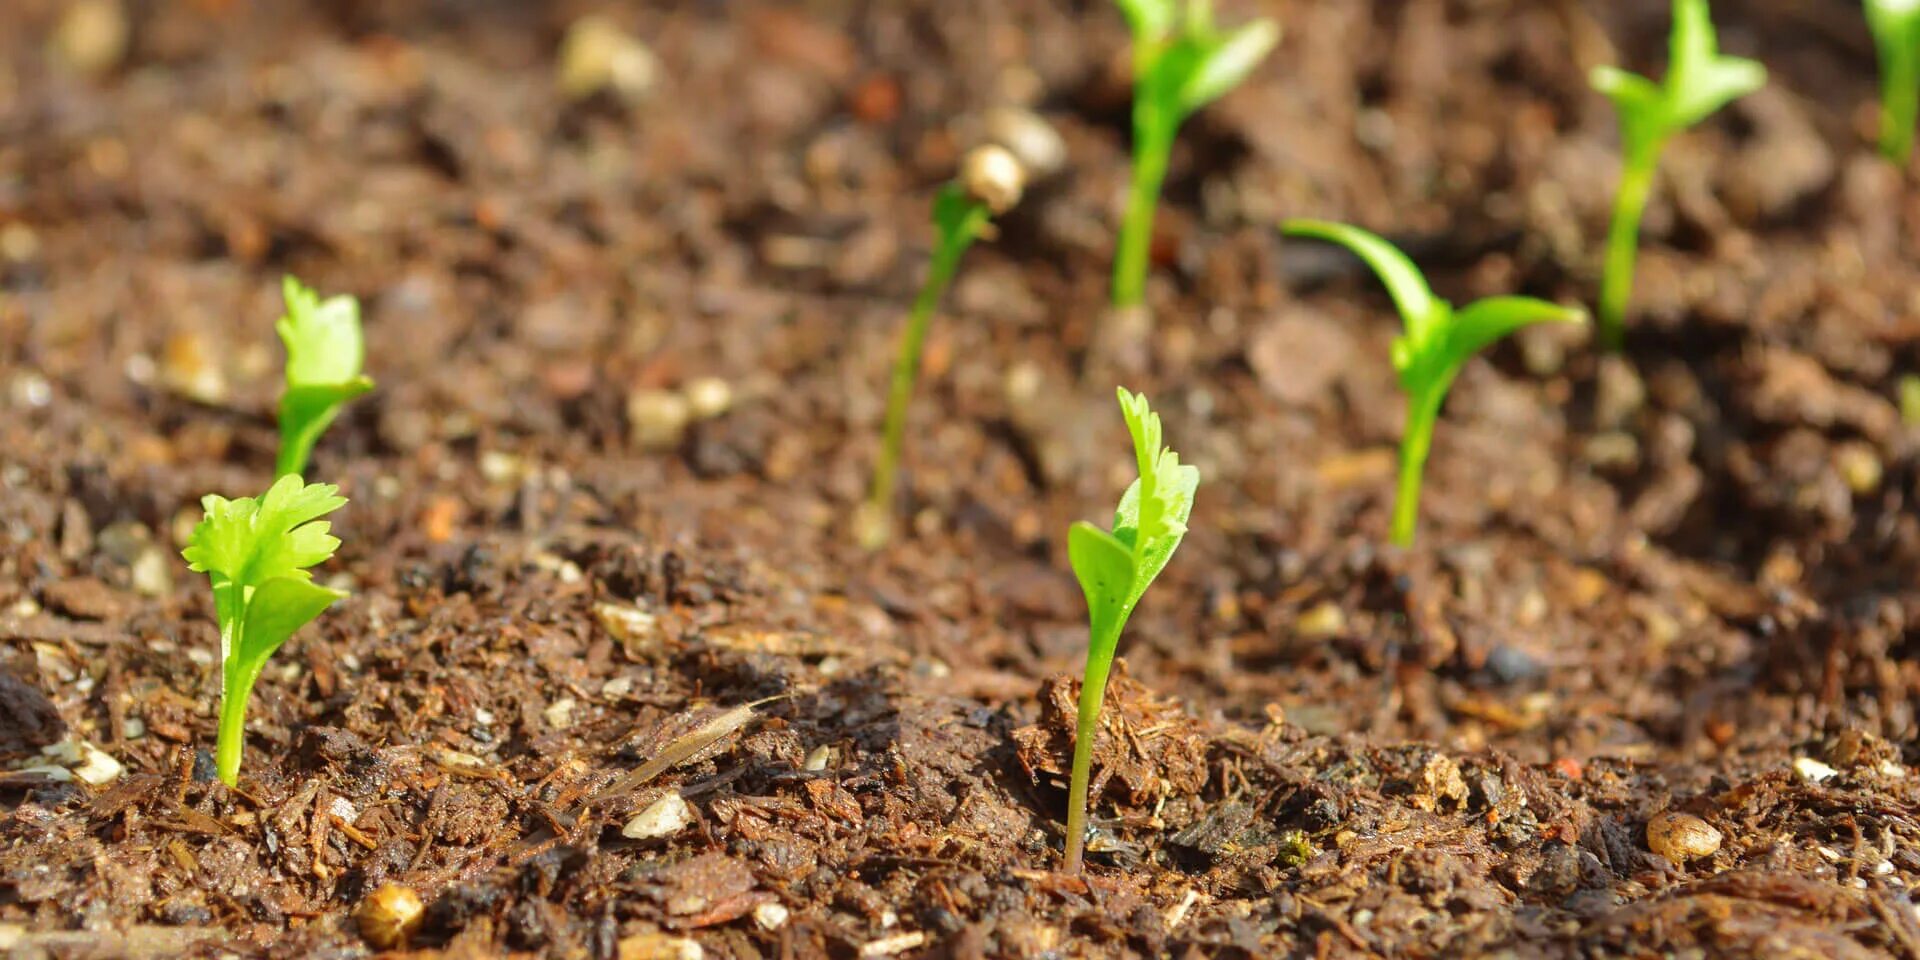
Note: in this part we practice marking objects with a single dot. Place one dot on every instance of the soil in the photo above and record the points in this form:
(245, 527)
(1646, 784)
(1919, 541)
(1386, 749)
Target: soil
(1676, 583)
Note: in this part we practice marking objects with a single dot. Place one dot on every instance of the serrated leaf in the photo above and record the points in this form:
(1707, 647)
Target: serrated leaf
(252, 540)
(1225, 64)
(1483, 322)
(1152, 516)
(1420, 310)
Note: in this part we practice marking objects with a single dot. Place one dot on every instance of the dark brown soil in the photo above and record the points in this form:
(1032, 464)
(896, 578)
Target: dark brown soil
(1643, 586)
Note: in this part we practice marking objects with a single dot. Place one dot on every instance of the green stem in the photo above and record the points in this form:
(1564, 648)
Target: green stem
(1093, 691)
(1899, 103)
(1152, 142)
(233, 724)
(950, 247)
(1623, 242)
(1423, 411)
(295, 449)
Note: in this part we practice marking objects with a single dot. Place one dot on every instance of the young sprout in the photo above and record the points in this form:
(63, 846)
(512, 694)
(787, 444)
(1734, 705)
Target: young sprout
(325, 351)
(1115, 568)
(255, 551)
(1699, 82)
(990, 183)
(1438, 341)
(1896, 35)
(1180, 64)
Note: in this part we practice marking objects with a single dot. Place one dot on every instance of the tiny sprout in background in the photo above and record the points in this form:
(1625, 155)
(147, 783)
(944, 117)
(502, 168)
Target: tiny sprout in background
(1896, 35)
(325, 351)
(1699, 82)
(1115, 568)
(1181, 62)
(990, 183)
(1437, 341)
(256, 552)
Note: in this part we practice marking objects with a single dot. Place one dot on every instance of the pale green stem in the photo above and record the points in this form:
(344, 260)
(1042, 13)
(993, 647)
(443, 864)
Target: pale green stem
(1423, 412)
(1623, 242)
(1899, 102)
(232, 737)
(906, 367)
(1093, 691)
(1153, 141)
(296, 447)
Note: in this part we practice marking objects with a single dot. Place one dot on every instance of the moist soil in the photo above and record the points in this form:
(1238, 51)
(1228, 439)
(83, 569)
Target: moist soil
(1678, 583)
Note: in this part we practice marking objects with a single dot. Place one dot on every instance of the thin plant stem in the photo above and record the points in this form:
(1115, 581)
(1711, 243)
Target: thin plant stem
(1092, 692)
(232, 737)
(1423, 412)
(1153, 141)
(952, 245)
(1623, 241)
(1899, 103)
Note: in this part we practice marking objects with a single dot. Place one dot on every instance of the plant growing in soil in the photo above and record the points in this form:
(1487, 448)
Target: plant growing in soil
(256, 552)
(1699, 82)
(1438, 341)
(325, 351)
(990, 183)
(1181, 62)
(1896, 35)
(1115, 568)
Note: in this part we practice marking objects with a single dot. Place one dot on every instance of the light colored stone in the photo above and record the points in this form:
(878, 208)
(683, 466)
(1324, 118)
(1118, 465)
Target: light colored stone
(1681, 837)
(662, 818)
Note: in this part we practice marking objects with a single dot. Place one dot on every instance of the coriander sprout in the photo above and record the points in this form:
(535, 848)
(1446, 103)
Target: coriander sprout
(1896, 35)
(1437, 341)
(1181, 62)
(1115, 568)
(255, 551)
(990, 183)
(1699, 82)
(325, 351)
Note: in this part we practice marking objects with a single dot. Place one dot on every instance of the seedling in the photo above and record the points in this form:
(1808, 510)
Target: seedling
(1180, 64)
(990, 183)
(1115, 568)
(255, 551)
(1896, 35)
(1699, 82)
(1438, 340)
(325, 350)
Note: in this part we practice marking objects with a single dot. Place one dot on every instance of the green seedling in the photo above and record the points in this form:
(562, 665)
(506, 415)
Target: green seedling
(1181, 62)
(1896, 35)
(990, 183)
(325, 350)
(1436, 342)
(255, 551)
(1115, 568)
(1699, 82)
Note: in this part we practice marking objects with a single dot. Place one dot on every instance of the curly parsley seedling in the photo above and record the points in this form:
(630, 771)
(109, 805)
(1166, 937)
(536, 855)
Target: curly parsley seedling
(256, 551)
(1180, 64)
(1699, 82)
(325, 351)
(990, 183)
(1115, 568)
(1896, 35)
(1438, 341)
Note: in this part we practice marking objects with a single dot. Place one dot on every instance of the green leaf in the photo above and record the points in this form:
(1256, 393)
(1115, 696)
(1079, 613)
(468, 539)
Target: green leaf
(1420, 310)
(279, 608)
(1149, 20)
(323, 337)
(252, 540)
(1152, 516)
(1481, 323)
(1104, 567)
(1227, 63)
(1700, 80)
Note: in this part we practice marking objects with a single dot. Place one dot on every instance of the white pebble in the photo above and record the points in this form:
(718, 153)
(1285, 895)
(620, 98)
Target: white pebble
(663, 818)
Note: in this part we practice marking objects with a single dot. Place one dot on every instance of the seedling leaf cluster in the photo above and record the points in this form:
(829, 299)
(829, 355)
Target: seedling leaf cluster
(1115, 568)
(1699, 82)
(1181, 62)
(1436, 342)
(325, 352)
(256, 552)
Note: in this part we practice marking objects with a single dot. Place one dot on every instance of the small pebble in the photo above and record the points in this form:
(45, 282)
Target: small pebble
(709, 397)
(770, 916)
(659, 946)
(389, 916)
(92, 36)
(1813, 771)
(597, 55)
(1322, 621)
(663, 818)
(559, 714)
(1860, 467)
(1681, 837)
(658, 418)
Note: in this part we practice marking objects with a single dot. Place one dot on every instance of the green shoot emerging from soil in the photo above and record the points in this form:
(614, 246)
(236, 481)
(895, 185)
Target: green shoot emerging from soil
(256, 551)
(1438, 340)
(1181, 62)
(325, 351)
(1115, 568)
(991, 181)
(1896, 34)
(1699, 82)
